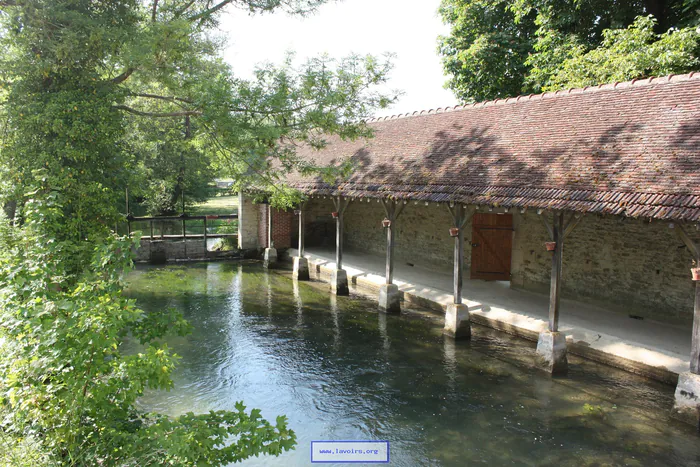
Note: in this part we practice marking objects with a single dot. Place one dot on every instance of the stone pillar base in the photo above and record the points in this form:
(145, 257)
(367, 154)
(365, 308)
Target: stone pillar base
(686, 406)
(270, 258)
(301, 268)
(551, 352)
(457, 322)
(339, 282)
(389, 298)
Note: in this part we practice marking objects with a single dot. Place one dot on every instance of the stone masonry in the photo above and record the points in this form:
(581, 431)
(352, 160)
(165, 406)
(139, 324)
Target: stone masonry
(248, 223)
(634, 267)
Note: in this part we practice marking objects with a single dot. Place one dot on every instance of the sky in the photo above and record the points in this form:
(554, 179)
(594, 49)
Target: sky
(407, 28)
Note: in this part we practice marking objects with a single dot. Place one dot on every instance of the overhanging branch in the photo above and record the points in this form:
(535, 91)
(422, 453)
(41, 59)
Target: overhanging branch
(164, 98)
(141, 113)
(124, 76)
(210, 11)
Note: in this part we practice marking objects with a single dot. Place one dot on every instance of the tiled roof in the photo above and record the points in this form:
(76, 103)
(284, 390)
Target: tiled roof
(630, 149)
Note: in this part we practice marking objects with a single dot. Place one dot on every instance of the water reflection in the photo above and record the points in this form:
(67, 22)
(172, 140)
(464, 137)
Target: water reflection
(340, 370)
(298, 303)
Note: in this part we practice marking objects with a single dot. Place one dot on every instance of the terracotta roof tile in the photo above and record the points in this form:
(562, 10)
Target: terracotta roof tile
(628, 148)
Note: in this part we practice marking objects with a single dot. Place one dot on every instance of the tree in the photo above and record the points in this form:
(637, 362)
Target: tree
(95, 96)
(171, 165)
(498, 49)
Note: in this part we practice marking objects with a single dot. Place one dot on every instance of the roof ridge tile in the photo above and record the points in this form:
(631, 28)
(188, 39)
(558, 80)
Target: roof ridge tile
(651, 80)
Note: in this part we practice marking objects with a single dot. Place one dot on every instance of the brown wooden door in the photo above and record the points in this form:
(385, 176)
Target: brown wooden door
(492, 242)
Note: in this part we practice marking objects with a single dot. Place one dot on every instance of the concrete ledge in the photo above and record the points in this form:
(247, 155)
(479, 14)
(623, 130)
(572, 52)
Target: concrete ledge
(590, 344)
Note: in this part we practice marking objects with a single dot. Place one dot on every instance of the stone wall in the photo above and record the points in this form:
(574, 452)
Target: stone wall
(319, 225)
(634, 267)
(421, 233)
(248, 223)
(169, 250)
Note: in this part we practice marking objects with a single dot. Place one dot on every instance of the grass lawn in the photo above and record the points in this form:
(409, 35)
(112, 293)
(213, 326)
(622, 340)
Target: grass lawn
(218, 205)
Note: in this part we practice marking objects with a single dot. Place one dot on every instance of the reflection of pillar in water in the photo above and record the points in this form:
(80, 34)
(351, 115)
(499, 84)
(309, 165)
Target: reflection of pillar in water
(213, 278)
(298, 303)
(336, 322)
(386, 343)
(542, 390)
(268, 287)
(235, 302)
(450, 363)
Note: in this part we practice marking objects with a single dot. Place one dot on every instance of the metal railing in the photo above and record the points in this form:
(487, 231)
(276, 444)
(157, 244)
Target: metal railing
(183, 218)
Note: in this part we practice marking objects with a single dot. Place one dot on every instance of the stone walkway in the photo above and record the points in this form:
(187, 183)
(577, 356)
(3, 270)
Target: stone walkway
(656, 350)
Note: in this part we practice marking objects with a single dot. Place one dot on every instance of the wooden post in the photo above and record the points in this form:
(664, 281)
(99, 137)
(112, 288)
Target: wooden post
(339, 241)
(457, 319)
(340, 206)
(301, 230)
(151, 229)
(555, 282)
(269, 226)
(204, 234)
(392, 211)
(458, 259)
(460, 217)
(184, 229)
(695, 345)
(390, 254)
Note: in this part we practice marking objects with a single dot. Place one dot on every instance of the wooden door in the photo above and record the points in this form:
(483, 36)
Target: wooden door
(492, 242)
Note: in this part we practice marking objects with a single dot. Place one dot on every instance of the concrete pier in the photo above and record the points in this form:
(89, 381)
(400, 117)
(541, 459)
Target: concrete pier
(389, 298)
(686, 406)
(270, 258)
(457, 321)
(301, 268)
(551, 352)
(339, 282)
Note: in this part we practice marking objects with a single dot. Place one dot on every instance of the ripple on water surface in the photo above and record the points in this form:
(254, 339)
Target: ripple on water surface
(339, 370)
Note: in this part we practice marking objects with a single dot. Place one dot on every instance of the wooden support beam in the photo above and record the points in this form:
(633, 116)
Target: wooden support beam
(693, 247)
(204, 234)
(460, 217)
(392, 210)
(572, 223)
(695, 343)
(555, 283)
(546, 225)
(269, 226)
(302, 207)
(340, 206)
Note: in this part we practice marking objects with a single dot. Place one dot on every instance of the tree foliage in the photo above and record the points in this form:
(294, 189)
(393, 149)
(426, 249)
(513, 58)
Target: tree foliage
(95, 96)
(65, 382)
(497, 49)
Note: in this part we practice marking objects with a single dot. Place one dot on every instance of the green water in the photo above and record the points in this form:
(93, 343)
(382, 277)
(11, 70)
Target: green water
(341, 371)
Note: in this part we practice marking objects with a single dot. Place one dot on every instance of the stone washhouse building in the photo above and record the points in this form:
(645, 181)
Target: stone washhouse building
(581, 206)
